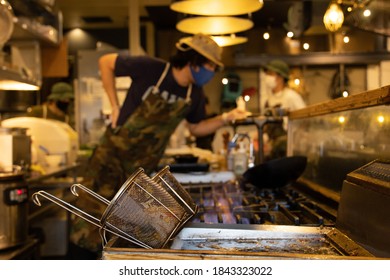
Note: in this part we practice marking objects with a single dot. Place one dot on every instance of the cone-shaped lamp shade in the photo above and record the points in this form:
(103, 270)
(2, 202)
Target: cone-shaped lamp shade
(225, 41)
(217, 7)
(214, 25)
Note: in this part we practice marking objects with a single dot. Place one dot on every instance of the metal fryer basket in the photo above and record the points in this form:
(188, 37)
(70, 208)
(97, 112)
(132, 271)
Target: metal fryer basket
(144, 211)
(165, 178)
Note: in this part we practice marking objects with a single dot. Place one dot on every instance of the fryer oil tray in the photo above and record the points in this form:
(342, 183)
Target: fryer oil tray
(250, 241)
(145, 211)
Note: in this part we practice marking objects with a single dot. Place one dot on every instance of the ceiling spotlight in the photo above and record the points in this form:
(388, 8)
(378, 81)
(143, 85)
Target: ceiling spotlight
(334, 17)
(290, 34)
(217, 7)
(346, 39)
(306, 46)
(266, 35)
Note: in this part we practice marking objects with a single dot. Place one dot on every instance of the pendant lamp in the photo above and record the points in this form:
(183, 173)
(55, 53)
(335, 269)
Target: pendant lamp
(214, 25)
(217, 7)
(225, 41)
(333, 17)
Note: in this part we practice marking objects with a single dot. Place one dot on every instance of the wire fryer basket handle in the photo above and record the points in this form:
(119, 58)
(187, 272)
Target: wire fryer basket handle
(67, 206)
(74, 187)
(85, 216)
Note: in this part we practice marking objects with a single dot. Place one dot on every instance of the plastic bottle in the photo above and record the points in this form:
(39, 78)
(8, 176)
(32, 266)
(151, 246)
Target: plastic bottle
(230, 156)
(240, 160)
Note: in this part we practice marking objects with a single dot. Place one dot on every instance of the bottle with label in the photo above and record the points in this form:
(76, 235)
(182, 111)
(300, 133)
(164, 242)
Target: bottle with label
(240, 160)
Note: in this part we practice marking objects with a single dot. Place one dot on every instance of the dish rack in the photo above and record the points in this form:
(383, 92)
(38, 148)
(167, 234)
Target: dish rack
(146, 211)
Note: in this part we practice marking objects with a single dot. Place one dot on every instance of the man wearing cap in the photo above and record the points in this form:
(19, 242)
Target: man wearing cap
(57, 105)
(161, 95)
(279, 95)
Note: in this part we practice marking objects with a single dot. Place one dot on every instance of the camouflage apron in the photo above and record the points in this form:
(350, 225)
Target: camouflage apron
(139, 142)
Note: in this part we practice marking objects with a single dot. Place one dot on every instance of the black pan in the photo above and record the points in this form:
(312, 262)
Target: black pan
(276, 173)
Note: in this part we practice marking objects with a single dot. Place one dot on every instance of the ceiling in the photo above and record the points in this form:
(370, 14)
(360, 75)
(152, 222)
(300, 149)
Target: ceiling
(114, 14)
(103, 14)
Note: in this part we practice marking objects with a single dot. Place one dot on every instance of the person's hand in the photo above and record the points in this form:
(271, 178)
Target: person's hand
(114, 117)
(235, 114)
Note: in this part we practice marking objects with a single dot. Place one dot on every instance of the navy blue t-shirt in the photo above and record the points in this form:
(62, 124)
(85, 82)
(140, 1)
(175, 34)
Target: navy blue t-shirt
(144, 72)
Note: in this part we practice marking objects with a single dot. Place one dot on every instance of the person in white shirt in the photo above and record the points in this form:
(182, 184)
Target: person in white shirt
(280, 98)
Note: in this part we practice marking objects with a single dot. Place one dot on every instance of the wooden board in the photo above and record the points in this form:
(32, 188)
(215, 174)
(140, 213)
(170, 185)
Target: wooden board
(380, 96)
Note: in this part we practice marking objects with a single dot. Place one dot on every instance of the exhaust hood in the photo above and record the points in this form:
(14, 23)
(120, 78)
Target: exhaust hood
(15, 80)
(11, 79)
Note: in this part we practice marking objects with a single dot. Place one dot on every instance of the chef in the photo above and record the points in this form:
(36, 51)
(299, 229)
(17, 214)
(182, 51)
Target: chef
(280, 97)
(161, 95)
(57, 106)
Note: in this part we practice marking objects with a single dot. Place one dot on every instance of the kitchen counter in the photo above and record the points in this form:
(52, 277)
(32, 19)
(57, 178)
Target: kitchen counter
(27, 251)
(36, 176)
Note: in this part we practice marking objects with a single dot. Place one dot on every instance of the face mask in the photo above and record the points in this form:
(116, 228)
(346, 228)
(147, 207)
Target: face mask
(270, 81)
(203, 76)
(63, 106)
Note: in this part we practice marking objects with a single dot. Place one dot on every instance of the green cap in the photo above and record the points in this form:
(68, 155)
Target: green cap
(61, 91)
(279, 67)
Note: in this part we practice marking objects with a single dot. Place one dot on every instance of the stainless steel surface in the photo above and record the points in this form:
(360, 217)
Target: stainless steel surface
(247, 242)
(16, 101)
(269, 239)
(20, 144)
(242, 221)
(6, 23)
(13, 209)
(364, 207)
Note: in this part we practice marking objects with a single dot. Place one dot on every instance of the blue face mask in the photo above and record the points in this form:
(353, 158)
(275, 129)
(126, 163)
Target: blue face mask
(202, 76)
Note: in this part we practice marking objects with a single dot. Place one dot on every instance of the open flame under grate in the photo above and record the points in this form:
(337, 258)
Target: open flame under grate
(230, 203)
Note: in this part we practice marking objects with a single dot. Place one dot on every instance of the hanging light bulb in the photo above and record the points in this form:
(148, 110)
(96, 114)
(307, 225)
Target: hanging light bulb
(334, 17)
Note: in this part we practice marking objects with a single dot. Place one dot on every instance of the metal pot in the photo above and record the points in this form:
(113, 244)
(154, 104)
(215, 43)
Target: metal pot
(13, 209)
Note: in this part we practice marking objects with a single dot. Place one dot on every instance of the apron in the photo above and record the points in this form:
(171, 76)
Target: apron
(139, 142)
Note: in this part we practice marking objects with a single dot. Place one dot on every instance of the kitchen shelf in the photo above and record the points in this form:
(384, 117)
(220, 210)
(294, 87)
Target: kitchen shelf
(317, 58)
(25, 28)
(7, 73)
(37, 20)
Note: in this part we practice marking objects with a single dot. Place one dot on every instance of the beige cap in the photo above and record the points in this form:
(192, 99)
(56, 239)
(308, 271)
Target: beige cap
(204, 45)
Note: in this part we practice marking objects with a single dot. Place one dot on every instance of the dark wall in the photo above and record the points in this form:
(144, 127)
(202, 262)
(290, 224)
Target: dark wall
(87, 39)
